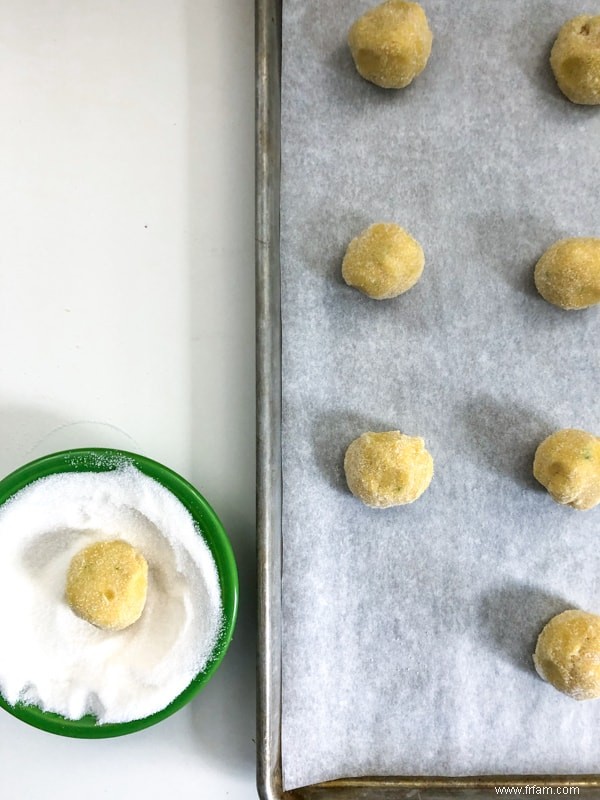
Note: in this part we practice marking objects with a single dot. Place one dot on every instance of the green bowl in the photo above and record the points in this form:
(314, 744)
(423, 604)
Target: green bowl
(99, 459)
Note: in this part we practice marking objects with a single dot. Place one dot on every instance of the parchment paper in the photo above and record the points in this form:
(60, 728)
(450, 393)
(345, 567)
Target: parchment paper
(408, 632)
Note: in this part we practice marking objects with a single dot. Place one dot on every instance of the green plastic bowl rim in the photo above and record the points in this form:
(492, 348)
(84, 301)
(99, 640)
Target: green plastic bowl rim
(103, 459)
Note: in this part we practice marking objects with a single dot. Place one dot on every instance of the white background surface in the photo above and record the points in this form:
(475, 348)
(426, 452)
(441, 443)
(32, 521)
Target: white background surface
(126, 316)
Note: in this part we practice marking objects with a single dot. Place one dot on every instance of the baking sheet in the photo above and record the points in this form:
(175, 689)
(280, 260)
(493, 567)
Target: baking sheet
(408, 633)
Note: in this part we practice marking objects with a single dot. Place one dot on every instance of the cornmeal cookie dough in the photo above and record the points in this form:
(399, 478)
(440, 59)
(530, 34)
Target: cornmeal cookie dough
(567, 654)
(388, 469)
(383, 261)
(568, 274)
(391, 43)
(107, 584)
(567, 463)
(575, 60)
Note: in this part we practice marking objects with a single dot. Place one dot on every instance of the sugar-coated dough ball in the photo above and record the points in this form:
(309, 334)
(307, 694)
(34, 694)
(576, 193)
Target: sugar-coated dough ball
(575, 60)
(388, 469)
(567, 463)
(391, 43)
(107, 583)
(567, 654)
(568, 274)
(383, 261)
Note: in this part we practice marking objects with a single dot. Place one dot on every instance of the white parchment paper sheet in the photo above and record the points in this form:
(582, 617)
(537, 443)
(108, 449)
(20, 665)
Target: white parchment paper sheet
(408, 632)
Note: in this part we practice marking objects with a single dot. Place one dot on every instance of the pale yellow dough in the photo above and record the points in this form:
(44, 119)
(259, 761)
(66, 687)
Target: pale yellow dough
(575, 60)
(567, 463)
(388, 469)
(391, 43)
(567, 654)
(107, 584)
(568, 274)
(383, 261)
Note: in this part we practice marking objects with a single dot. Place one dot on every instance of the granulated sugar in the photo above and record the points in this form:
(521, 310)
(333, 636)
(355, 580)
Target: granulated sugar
(57, 661)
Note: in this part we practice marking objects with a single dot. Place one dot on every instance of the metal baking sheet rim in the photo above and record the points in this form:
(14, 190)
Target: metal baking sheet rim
(269, 474)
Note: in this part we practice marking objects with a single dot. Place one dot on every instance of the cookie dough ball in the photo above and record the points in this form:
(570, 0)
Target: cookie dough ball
(383, 261)
(575, 60)
(567, 654)
(107, 583)
(567, 463)
(391, 43)
(388, 469)
(568, 274)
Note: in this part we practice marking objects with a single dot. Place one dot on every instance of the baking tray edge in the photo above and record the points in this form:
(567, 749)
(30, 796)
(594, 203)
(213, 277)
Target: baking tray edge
(268, 389)
(269, 494)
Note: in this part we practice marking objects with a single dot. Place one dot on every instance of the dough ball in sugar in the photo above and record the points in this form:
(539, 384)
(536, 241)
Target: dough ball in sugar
(567, 464)
(107, 584)
(388, 469)
(383, 261)
(390, 44)
(575, 60)
(567, 654)
(568, 274)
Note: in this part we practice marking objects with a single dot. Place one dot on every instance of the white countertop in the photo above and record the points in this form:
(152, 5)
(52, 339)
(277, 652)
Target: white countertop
(127, 316)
